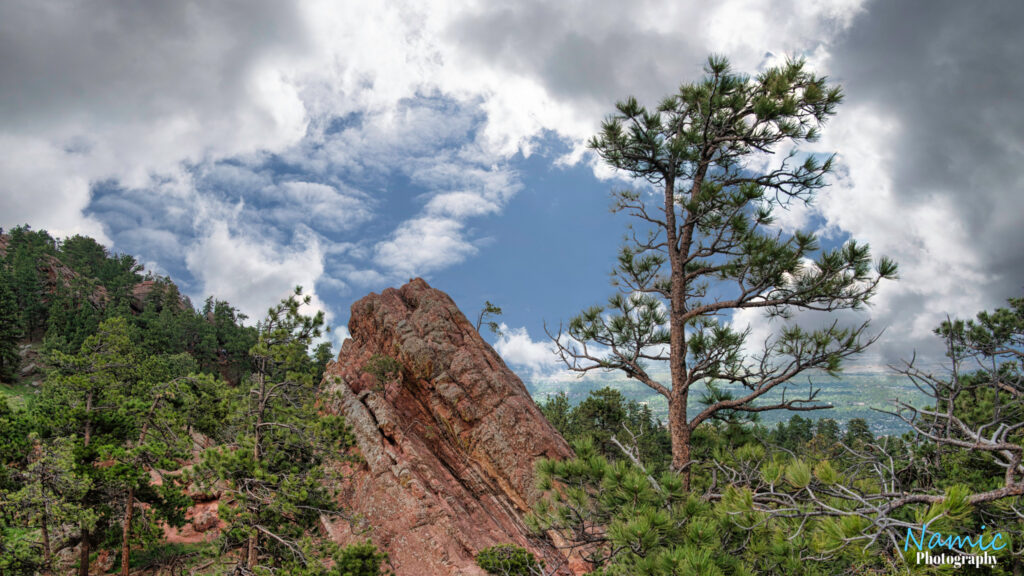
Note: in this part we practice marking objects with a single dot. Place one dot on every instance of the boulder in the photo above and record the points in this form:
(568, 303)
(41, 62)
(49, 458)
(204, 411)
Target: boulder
(448, 436)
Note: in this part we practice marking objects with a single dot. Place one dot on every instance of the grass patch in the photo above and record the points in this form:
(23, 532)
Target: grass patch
(16, 395)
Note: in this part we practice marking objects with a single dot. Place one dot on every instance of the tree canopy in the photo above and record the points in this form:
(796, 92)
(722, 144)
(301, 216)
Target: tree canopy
(703, 245)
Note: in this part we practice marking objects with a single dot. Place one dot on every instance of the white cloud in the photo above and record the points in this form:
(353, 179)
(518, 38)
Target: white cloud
(517, 348)
(927, 239)
(321, 205)
(460, 205)
(443, 93)
(129, 93)
(538, 361)
(936, 257)
(423, 245)
(253, 274)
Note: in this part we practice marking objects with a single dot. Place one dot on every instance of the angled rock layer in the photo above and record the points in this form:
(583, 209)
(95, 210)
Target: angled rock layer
(448, 433)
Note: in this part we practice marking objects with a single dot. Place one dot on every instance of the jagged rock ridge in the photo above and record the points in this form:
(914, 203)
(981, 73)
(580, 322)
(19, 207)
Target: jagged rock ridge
(449, 445)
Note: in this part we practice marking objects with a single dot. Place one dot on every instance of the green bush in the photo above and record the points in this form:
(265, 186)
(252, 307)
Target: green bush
(508, 560)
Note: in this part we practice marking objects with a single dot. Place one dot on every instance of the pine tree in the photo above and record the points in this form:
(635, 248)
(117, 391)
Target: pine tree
(157, 413)
(109, 399)
(704, 247)
(10, 332)
(24, 254)
(80, 400)
(272, 468)
(50, 494)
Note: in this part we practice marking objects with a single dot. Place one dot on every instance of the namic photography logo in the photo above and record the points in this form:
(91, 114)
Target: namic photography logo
(938, 549)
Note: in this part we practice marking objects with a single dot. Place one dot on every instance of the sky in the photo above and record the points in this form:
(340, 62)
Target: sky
(245, 147)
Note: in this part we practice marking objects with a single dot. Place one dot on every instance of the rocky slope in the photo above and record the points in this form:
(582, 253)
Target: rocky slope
(448, 433)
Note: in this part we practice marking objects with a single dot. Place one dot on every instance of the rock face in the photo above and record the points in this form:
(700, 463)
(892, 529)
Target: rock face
(448, 433)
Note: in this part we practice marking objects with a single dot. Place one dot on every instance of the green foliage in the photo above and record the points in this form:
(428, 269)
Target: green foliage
(488, 312)
(509, 560)
(322, 355)
(703, 245)
(858, 433)
(10, 329)
(130, 412)
(272, 465)
(127, 381)
(25, 252)
(325, 558)
(383, 368)
(792, 434)
(558, 412)
(72, 316)
(628, 523)
(15, 427)
(92, 285)
(49, 495)
(606, 413)
(221, 343)
(359, 560)
(87, 257)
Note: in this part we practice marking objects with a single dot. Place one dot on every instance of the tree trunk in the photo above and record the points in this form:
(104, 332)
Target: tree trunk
(83, 558)
(679, 432)
(250, 559)
(129, 505)
(47, 554)
(129, 508)
(678, 423)
(250, 556)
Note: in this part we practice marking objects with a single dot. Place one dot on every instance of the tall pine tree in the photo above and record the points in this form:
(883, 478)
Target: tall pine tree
(272, 469)
(704, 247)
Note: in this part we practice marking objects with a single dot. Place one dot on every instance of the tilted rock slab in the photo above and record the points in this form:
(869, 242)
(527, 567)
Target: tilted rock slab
(449, 445)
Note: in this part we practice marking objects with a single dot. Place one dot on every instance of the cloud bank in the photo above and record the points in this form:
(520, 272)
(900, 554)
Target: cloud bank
(248, 147)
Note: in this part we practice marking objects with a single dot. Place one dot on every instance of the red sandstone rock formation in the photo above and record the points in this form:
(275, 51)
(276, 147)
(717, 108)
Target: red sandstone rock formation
(449, 443)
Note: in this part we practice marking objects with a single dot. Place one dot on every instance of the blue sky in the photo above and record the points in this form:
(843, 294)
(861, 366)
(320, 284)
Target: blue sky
(246, 147)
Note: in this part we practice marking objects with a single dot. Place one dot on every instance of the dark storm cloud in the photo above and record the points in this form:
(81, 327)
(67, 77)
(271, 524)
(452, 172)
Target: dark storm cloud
(124, 61)
(952, 75)
(592, 63)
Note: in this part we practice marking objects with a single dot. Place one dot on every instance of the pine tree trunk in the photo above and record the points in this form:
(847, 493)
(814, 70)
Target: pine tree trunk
(250, 561)
(250, 556)
(47, 554)
(679, 432)
(129, 509)
(678, 424)
(83, 558)
(129, 505)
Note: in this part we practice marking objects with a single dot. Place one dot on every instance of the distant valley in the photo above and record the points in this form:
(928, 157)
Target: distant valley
(852, 395)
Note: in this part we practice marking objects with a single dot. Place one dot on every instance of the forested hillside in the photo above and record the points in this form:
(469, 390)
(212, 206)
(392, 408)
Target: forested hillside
(124, 406)
(141, 435)
(55, 294)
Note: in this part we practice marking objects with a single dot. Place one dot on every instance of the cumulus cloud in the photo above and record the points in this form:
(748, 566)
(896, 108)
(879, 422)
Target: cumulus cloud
(246, 271)
(358, 143)
(423, 245)
(537, 360)
(126, 91)
(928, 142)
(522, 352)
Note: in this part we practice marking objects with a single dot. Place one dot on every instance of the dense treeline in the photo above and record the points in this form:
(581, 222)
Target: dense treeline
(57, 292)
(144, 401)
